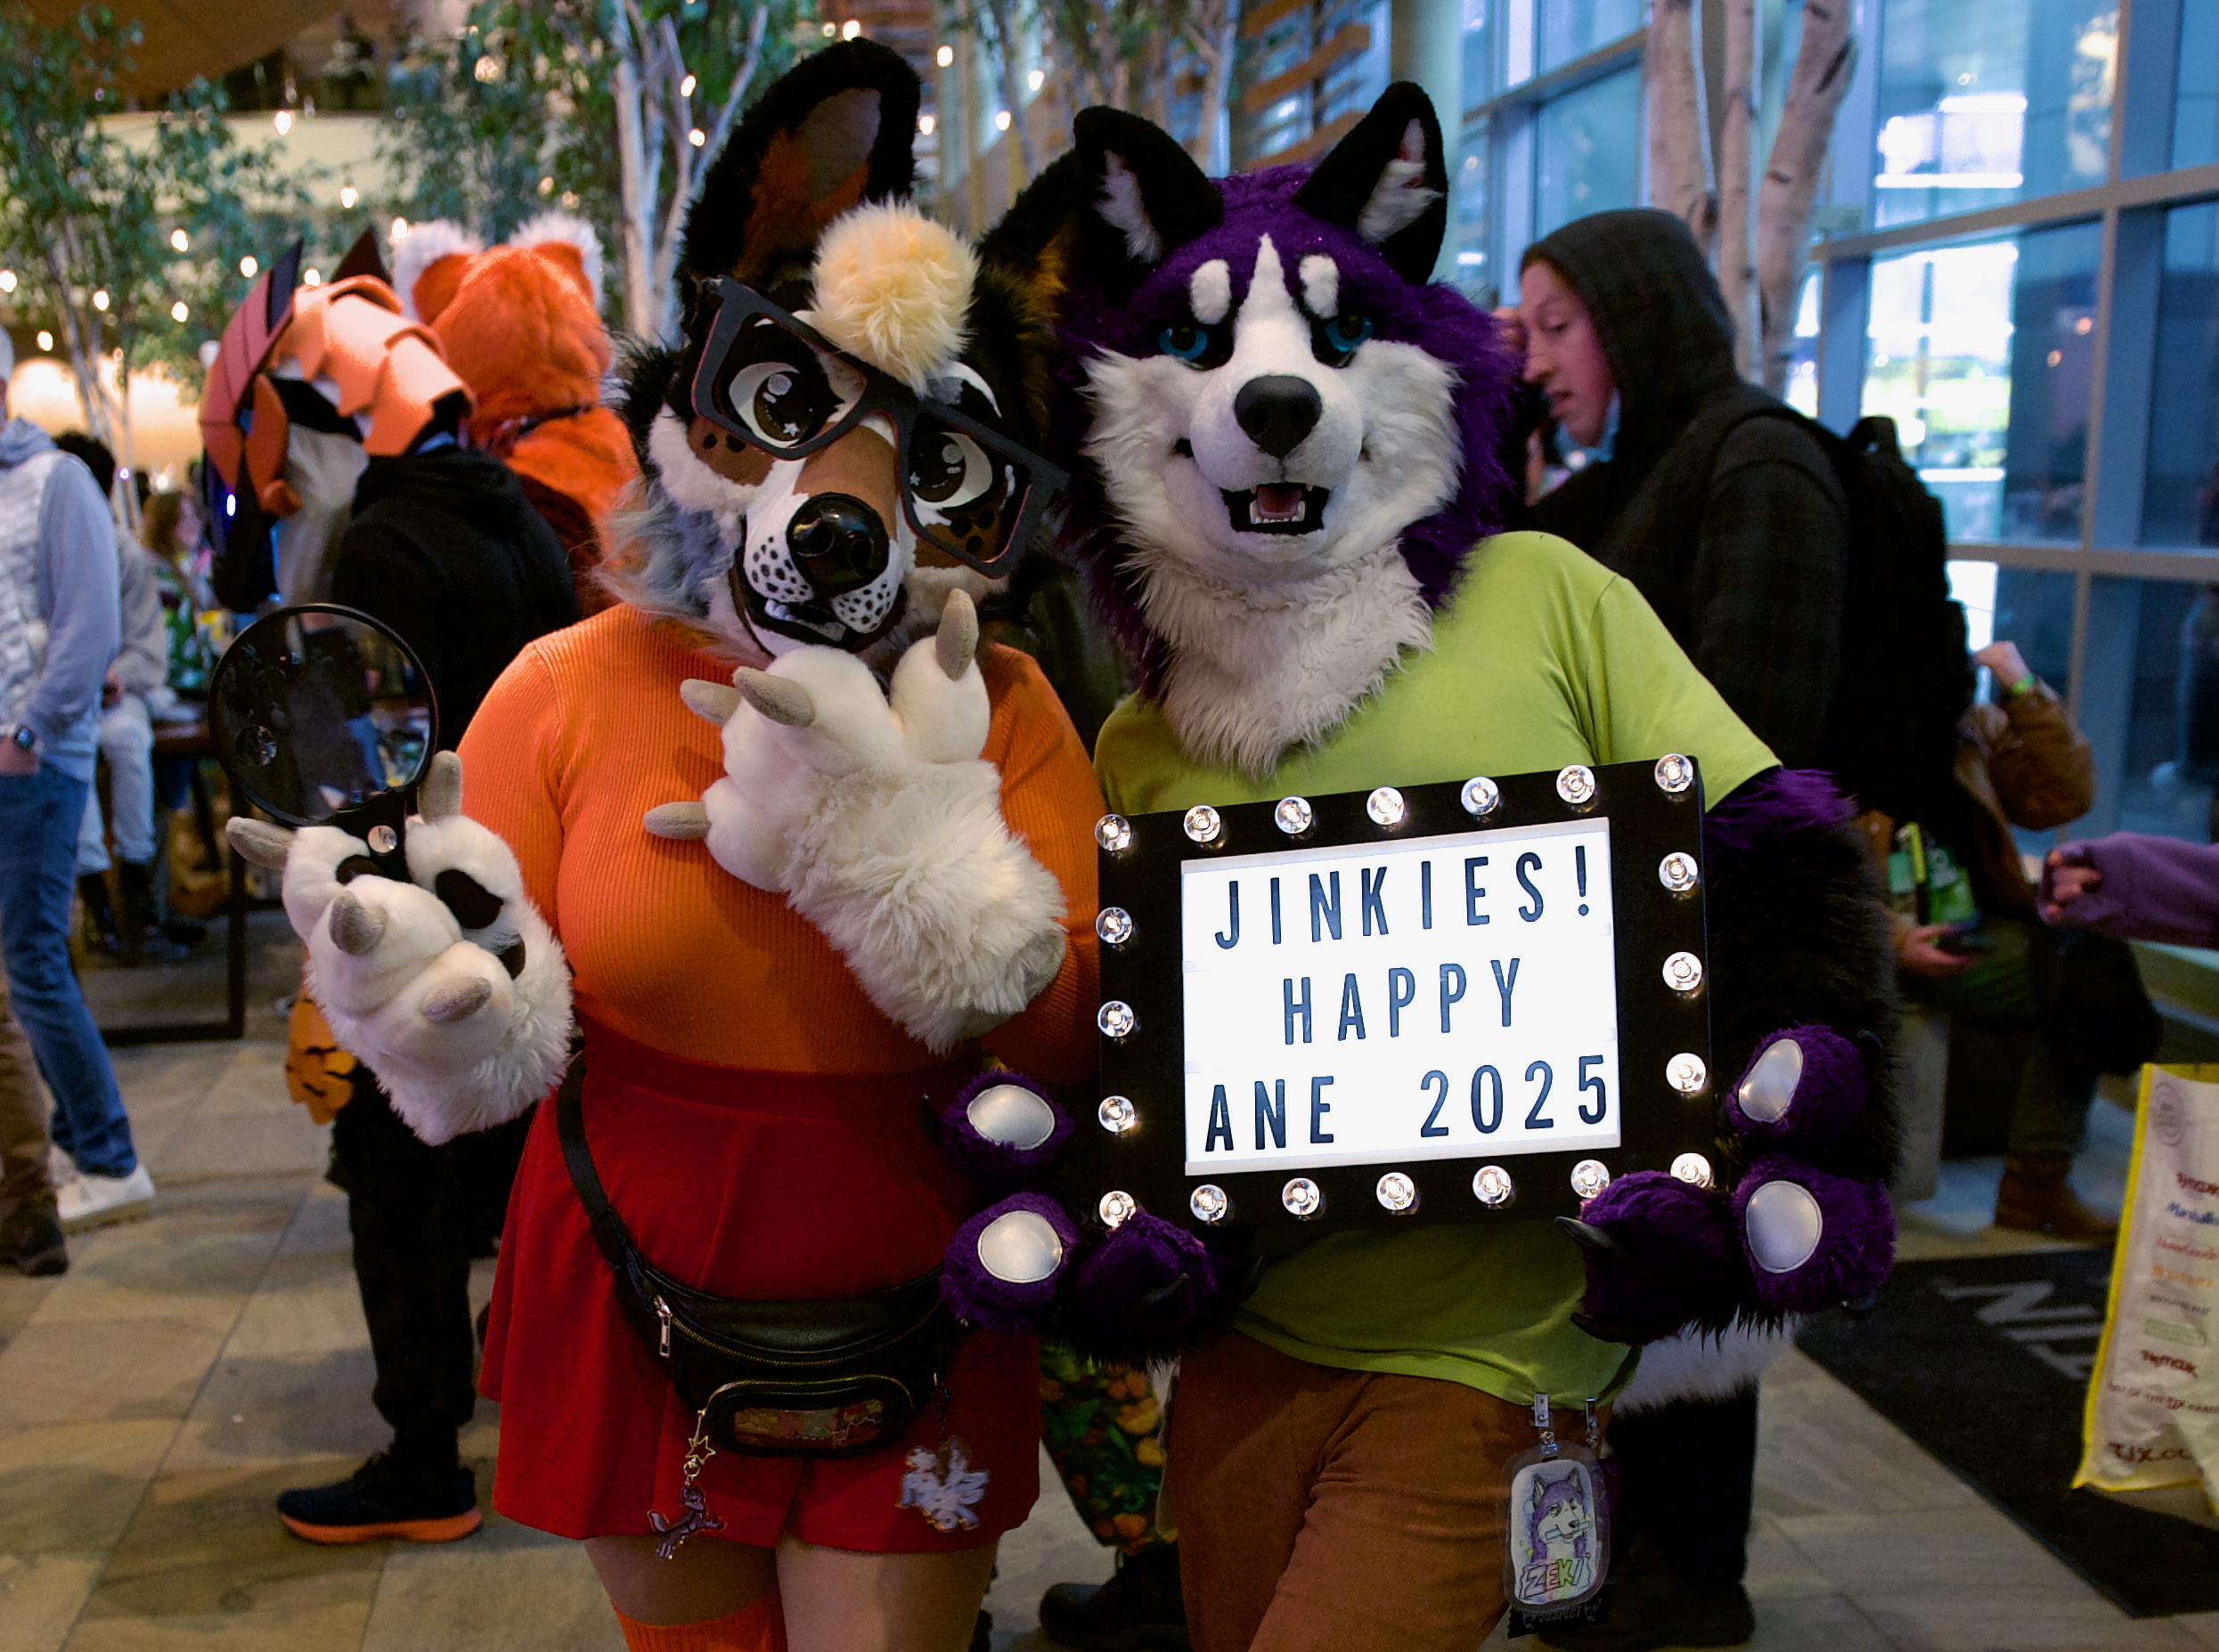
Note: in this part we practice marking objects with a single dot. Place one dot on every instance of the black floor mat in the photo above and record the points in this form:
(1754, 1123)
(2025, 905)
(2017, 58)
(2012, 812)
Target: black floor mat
(1984, 1360)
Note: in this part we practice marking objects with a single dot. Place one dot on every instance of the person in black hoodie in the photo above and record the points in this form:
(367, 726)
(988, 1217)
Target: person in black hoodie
(1726, 513)
(440, 545)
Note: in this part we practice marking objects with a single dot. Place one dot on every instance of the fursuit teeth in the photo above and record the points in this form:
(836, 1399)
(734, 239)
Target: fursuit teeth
(1002, 1131)
(892, 286)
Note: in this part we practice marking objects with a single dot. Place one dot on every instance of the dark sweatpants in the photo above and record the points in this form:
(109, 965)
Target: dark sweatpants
(419, 1215)
(1686, 1474)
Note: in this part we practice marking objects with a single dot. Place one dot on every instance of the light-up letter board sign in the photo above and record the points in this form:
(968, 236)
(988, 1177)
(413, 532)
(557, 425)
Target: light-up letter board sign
(1449, 1002)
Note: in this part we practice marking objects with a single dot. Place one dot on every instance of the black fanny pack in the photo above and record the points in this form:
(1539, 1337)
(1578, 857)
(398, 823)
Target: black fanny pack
(833, 1378)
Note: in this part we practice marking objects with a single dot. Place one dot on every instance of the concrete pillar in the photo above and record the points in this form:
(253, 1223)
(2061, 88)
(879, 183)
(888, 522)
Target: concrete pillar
(1425, 44)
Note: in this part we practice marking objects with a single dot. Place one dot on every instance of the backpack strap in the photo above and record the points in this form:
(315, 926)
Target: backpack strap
(610, 1236)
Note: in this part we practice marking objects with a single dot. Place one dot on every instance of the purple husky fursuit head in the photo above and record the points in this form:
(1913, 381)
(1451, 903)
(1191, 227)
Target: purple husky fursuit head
(1289, 444)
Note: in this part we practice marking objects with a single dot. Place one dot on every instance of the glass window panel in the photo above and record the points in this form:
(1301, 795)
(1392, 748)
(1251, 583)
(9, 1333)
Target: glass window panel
(2196, 104)
(1571, 29)
(1981, 354)
(1983, 100)
(2158, 708)
(1473, 278)
(1802, 390)
(2034, 609)
(2180, 480)
(1479, 40)
(1587, 156)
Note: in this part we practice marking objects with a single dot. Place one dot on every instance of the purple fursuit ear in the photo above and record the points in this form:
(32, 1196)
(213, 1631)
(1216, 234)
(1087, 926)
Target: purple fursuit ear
(1660, 1254)
(977, 1295)
(1347, 183)
(1812, 1241)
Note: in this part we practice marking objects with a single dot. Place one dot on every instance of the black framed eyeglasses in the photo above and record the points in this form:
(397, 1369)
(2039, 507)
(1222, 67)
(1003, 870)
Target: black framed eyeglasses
(770, 378)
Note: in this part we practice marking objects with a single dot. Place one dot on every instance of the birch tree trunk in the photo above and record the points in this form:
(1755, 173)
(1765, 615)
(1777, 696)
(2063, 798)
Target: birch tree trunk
(1679, 179)
(1824, 61)
(634, 220)
(1005, 24)
(1213, 35)
(1736, 257)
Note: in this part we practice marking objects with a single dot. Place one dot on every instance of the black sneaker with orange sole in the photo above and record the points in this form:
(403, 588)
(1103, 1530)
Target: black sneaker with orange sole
(384, 1498)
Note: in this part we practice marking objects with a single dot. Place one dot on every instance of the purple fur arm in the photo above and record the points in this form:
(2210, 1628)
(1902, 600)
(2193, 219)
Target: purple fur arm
(994, 1166)
(1767, 806)
(1658, 1254)
(1148, 1285)
(1812, 1241)
(974, 1294)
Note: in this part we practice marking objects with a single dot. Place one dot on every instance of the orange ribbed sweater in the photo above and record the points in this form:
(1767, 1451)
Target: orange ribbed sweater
(584, 733)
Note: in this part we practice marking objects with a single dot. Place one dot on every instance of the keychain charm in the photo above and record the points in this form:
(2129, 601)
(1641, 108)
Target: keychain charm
(1556, 1552)
(697, 1517)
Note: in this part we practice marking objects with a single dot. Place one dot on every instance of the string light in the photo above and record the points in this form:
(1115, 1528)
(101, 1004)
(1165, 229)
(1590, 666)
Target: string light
(944, 56)
(7, 280)
(547, 186)
(1036, 79)
(248, 265)
(831, 30)
(178, 312)
(179, 240)
(850, 30)
(100, 301)
(1002, 120)
(686, 86)
(400, 229)
(311, 278)
(925, 125)
(46, 341)
(348, 195)
(486, 70)
(283, 121)
(696, 137)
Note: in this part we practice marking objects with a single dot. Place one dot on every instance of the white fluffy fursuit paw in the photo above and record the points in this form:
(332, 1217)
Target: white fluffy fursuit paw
(450, 986)
(875, 816)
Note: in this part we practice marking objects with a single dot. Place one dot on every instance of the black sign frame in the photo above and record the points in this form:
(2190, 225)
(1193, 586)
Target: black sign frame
(1667, 1114)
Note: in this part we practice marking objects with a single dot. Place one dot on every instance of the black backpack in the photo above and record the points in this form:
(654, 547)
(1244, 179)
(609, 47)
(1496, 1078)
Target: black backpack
(1890, 732)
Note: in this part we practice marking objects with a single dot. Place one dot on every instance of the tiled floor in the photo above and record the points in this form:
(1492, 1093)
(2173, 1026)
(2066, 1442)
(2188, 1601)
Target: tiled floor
(156, 1399)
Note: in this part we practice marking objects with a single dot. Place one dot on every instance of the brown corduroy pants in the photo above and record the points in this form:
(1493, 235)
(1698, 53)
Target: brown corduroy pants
(1323, 1511)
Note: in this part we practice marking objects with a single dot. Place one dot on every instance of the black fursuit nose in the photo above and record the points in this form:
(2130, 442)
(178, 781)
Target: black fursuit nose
(838, 543)
(1278, 410)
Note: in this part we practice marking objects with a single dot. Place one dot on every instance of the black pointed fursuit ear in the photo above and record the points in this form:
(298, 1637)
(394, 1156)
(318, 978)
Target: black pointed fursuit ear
(1388, 180)
(1123, 198)
(363, 259)
(837, 130)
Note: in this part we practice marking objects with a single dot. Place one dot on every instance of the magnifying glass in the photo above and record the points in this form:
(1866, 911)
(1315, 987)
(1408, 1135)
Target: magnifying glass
(321, 716)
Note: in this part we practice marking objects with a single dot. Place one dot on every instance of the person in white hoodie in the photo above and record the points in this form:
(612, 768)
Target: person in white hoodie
(59, 629)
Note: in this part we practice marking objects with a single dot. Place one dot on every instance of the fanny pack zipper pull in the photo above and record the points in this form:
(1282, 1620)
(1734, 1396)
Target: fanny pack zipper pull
(662, 1313)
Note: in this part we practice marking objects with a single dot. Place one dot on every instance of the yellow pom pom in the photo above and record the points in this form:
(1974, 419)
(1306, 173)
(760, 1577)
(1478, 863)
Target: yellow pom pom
(894, 288)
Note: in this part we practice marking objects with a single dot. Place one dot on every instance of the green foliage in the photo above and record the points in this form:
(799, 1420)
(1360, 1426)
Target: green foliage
(90, 198)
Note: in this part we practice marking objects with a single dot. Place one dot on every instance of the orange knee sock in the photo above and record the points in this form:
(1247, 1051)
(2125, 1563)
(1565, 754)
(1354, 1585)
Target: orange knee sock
(757, 1628)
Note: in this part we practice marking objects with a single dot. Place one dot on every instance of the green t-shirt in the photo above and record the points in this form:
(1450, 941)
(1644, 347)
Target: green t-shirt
(1542, 657)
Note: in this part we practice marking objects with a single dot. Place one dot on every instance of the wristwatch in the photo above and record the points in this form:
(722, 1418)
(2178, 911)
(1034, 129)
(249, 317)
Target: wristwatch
(25, 737)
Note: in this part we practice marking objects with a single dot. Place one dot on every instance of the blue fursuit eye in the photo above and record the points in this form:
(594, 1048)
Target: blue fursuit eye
(1345, 332)
(1189, 341)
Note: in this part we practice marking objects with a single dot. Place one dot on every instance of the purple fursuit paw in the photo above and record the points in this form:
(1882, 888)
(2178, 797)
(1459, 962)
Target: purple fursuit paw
(1002, 1131)
(1803, 1089)
(1659, 1253)
(1148, 1285)
(1812, 1241)
(1002, 1268)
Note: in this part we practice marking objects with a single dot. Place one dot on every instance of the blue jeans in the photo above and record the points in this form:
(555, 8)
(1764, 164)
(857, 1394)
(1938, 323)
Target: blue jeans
(39, 816)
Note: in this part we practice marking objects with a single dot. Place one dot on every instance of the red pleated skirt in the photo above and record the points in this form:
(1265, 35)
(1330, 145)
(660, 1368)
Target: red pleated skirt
(745, 1184)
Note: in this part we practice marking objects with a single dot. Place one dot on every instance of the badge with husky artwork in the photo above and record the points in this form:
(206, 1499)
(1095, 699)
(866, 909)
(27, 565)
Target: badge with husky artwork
(1556, 1553)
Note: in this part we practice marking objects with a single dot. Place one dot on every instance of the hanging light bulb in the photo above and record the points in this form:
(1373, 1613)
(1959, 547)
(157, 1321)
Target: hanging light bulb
(178, 312)
(46, 341)
(696, 137)
(7, 280)
(1036, 79)
(686, 86)
(248, 265)
(925, 125)
(547, 185)
(400, 229)
(311, 277)
(179, 240)
(100, 301)
(850, 30)
(348, 195)
(283, 121)
(1002, 120)
(945, 56)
